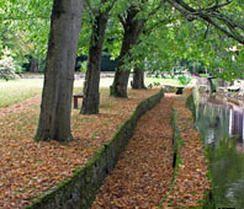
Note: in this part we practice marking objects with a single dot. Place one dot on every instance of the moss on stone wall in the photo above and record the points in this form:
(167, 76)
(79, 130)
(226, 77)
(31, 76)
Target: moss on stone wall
(191, 105)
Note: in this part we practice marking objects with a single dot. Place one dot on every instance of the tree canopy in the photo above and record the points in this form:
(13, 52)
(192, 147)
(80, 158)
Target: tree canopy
(210, 32)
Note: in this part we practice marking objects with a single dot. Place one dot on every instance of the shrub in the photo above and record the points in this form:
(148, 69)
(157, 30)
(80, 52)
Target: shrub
(83, 67)
(184, 80)
(7, 68)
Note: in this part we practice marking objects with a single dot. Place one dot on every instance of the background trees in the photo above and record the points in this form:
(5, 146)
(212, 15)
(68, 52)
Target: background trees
(142, 35)
(24, 30)
(25, 24)
(132, 28)
(99, 19)
(133, 21)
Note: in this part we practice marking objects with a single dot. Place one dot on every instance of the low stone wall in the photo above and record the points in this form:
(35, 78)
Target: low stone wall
(176, 141)
(80, 191)
(190, 104)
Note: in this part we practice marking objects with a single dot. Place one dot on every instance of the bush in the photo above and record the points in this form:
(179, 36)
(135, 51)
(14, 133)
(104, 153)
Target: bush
(83, 67)
(184, 80)
(7, 68)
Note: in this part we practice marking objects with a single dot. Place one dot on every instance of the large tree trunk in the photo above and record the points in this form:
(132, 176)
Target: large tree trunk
(91, 98)
(55, 116)
(138, 79)
(132, 29)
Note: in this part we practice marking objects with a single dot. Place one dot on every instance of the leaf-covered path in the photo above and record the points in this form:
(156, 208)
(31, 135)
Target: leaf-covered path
(141, 179)
(144, 177)
(144, 171)
(191, 181)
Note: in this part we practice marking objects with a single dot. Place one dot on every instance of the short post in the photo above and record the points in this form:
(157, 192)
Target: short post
(75, 102)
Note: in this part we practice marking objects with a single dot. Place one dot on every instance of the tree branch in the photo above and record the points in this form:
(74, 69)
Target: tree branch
(209, 15)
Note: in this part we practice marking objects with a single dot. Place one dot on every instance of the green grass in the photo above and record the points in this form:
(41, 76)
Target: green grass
(204, 75)
(15, 91)
(164, 81)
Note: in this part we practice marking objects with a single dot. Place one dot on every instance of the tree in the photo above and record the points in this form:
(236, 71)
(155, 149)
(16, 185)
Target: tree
(138, 79)
(133, 27)
(133, 21)
(33, 65)
(91, 98)
(24, 28)
(138, 52)
(211, 14)
(55, 116)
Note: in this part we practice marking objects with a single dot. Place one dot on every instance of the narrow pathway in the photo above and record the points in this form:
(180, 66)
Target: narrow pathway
(144, 171)
(191, 182)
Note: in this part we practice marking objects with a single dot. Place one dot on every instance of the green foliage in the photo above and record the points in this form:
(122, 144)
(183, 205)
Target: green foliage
(167, 37)
(184, 80)
(174, 39)
(24, 28)
(83, 67)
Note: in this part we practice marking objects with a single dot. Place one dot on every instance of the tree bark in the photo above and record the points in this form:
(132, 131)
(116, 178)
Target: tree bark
(55, 116)
(91, 98)
(34, 65)
(132, 30)
(138, 79)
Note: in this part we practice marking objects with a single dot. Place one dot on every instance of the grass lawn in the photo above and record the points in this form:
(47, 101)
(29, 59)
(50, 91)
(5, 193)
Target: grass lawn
(12, 92)
(163, 81)
(204, 75)
(15, 91)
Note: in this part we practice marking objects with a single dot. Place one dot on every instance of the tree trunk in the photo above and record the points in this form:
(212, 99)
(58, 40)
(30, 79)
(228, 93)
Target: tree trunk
(55, 116)
(91, 98)
(120, 84)
(34, 65)
(132, 29)
(138, 79)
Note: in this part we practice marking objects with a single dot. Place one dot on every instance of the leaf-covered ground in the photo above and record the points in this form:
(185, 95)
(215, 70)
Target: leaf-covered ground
(143, 177)
(191, 180)
(28, 168)
(144, 171)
